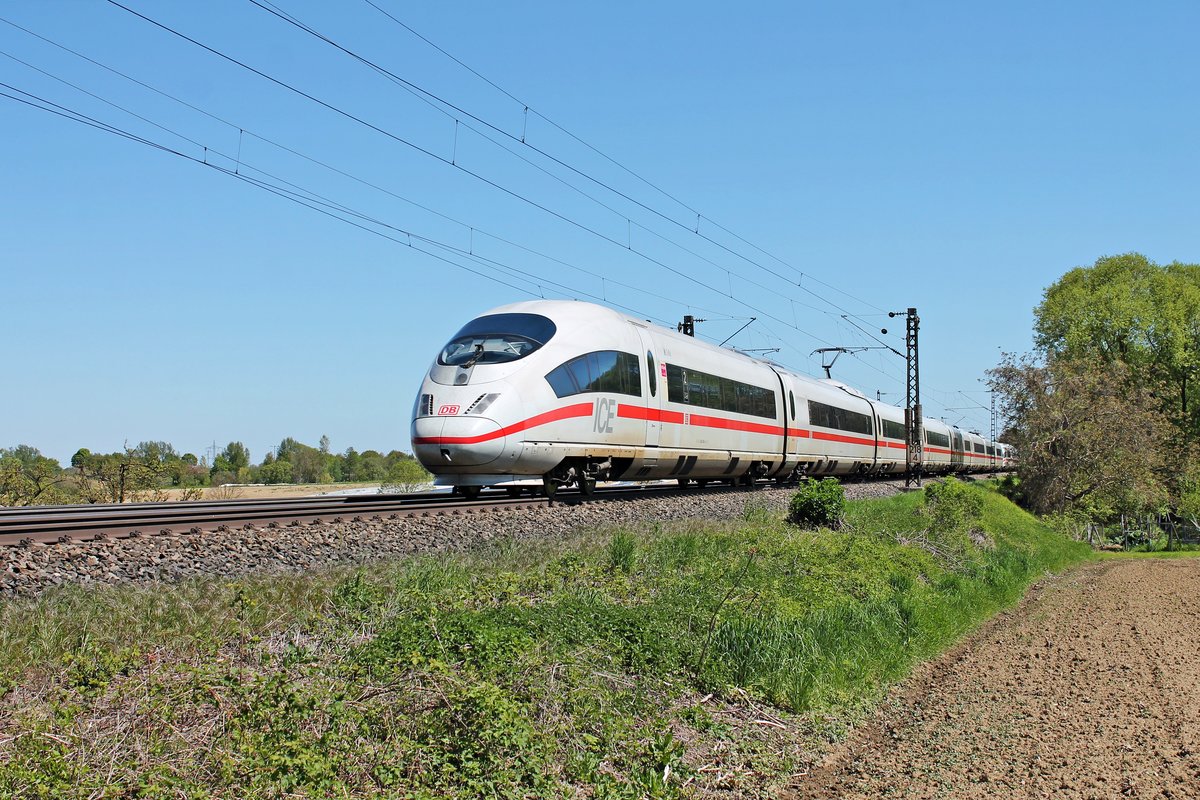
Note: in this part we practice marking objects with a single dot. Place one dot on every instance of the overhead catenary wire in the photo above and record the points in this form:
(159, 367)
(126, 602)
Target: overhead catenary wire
(287, 149)
(316, 202)
(527, 108)
(300, 196)
(242, 131)
(346, 209)
(309, 199)
(413, 87)
(425, 151)
(806, 277)
(258, 136)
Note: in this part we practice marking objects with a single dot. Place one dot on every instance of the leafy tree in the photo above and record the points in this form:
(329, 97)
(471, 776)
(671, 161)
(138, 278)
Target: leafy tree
(233, 458)
(28, 477)
(1090, 440)
(131, 474)
(161, 453)
(308, 464)
(275, 472)
(373, 466)
(406, 475)
(286, 448)
(1128, 309)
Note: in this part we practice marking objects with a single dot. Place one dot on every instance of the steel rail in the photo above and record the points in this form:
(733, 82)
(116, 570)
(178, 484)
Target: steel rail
(51, 524)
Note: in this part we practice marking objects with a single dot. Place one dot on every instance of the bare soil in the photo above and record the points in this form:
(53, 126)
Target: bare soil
(268, 492)
(1089, 689)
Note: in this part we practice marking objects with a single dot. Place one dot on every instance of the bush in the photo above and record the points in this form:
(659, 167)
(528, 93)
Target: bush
(953, 505)
(818, 504)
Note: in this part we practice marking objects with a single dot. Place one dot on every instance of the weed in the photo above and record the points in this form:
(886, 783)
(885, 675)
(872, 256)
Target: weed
(818, 504)
(952, 505)
(621, 549)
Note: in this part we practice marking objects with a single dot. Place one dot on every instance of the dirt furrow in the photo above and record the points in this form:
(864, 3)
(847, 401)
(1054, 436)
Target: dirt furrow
(1089, 689)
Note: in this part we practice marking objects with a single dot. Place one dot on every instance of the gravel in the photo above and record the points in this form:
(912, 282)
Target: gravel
(28, 571)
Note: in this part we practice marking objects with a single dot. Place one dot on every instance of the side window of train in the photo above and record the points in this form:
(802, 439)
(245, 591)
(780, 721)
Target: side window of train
(827, 416)
(653, 373)
(696, 388)
(602, 371)
(792, 401)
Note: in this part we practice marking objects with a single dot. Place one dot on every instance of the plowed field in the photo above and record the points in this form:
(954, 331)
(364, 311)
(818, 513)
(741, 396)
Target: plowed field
(1089, 689)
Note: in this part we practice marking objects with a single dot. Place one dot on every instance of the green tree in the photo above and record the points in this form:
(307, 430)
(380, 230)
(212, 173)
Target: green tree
(286, 448)
(1130, 310)
(233, 458)
(1091, 441)
(132, 474)
(28, 477)
(406, 475)
(275, 472)
(373, 466)
(351, 463)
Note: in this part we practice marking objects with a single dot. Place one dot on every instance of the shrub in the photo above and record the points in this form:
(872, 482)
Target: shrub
(818, 504)
(953, 505)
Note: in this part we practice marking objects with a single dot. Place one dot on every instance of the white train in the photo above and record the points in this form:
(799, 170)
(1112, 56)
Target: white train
(571, 393)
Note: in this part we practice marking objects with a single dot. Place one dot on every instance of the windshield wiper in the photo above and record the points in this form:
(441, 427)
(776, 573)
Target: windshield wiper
(470, 362)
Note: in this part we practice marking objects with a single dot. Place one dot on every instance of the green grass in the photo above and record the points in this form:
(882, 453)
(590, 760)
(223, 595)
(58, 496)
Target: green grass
(609, 666)
(1151, 554)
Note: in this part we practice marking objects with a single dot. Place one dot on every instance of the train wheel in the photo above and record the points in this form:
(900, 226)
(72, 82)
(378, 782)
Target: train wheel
(513, 491)
(469, 492)
(549, 487)
(587, 486)
(702, 483)
(683, 482)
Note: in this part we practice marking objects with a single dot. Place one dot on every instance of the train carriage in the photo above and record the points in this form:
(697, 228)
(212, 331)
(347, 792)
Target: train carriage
(571, 393)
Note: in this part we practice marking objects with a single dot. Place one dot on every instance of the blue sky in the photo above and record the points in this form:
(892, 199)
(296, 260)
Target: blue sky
(956, 157)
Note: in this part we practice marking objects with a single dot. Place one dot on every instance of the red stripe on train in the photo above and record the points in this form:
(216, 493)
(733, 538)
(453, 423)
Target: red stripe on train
(626, 411)
(651, 414)
(837, 437)
(566, 412)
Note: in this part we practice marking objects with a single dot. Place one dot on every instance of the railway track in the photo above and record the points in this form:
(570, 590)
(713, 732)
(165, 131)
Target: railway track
(36, 525)
(64, 524)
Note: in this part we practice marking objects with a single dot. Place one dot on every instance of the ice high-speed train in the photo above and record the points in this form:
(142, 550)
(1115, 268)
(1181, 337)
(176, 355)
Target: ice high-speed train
(570, 393)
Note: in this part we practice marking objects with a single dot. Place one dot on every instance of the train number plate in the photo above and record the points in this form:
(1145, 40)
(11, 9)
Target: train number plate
(447, 411)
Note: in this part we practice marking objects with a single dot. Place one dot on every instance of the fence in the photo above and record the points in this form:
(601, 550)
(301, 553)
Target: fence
(1134, 531)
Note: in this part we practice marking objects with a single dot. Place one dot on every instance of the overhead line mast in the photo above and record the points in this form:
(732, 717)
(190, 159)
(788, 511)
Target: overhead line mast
(913, 427)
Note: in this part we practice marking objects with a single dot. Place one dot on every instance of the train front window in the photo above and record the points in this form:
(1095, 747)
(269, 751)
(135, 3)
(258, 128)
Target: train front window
(497, 338)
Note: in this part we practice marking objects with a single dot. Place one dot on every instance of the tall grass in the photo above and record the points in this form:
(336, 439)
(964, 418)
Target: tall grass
(526, 671)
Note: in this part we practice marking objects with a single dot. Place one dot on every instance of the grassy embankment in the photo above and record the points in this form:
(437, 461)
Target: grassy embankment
(686, 660)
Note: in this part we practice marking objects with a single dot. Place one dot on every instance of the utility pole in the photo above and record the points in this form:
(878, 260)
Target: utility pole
(913, 427)
(995, 446)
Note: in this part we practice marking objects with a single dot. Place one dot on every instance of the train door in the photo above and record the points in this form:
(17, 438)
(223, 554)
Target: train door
(656, 387)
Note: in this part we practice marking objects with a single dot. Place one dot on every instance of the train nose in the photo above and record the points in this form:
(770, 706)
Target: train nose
(457, 441)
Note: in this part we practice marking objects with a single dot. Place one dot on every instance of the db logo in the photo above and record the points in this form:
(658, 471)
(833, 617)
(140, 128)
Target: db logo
(447, 411)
